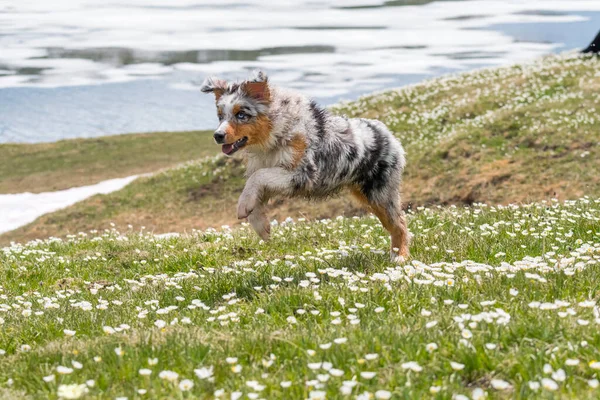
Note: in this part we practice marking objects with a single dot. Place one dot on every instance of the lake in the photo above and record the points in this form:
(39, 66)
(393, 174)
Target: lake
(94, 67)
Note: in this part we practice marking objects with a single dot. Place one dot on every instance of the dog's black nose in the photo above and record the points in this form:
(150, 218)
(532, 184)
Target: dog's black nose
(219, 137)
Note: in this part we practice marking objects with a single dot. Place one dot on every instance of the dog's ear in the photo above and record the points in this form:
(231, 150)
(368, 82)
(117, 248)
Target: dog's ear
(214, 85)
(258, 76)
(257, 86)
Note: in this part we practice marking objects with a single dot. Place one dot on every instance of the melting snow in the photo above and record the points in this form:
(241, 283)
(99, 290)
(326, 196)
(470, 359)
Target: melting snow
(20, 209)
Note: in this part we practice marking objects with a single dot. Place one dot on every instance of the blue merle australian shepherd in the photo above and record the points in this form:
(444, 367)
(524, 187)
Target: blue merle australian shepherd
(296, 148)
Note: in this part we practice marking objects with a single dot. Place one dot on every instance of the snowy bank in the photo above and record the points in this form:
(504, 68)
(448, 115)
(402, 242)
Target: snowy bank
(20, 209)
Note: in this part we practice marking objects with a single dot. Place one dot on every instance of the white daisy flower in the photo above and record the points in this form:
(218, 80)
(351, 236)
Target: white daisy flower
(73, 391)
(457, 366)
(549, 384)
(204, 372)
(186, 385)
(64, 370)
(367, 374)
(499, 384)
(167, 375)
(383, 395)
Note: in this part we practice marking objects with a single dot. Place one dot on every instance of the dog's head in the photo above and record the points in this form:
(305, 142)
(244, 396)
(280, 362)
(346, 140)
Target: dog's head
(242, 111)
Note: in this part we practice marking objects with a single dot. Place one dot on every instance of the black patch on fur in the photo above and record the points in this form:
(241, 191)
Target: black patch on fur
(352, 152)
(319, 115)
(344, 173)
(285, 102)
(305, 174)
(373, 171)
(351, 155)
(394, 163)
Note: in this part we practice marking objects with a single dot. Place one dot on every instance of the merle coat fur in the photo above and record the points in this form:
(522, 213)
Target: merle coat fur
(294, 147)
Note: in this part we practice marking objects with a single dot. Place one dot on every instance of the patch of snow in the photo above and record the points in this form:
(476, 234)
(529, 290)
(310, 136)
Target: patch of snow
(20, 209)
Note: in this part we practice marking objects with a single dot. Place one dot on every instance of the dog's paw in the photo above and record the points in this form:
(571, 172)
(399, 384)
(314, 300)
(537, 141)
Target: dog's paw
(260, 224)
(399, 258)
(243, 211)
(264, 231)
(246, 205)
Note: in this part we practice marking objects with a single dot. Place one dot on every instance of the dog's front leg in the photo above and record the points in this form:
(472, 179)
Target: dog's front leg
(264, 182)
(259, 220)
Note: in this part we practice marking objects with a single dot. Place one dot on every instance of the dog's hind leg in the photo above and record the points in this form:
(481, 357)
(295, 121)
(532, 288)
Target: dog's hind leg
(393, 220)
(259, 220)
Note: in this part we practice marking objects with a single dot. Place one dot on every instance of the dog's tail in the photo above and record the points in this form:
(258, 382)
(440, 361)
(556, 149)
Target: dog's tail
(594, 47)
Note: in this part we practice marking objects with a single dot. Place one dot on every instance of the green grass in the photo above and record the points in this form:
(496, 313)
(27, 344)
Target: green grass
(520, 133)
(47, 167)
(495, 299)
(276, 309)
(194, 195)
(513, 134)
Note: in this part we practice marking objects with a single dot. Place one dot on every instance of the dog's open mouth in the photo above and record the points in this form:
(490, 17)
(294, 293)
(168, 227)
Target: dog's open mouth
(230, 148)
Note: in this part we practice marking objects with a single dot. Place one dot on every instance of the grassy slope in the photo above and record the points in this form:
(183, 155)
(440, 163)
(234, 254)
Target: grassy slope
(194, 195)
(53, 166)
(278, 308)
(497, 135)
(500, 135)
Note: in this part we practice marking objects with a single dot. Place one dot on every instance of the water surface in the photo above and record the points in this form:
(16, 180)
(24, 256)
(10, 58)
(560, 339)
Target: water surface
(84, 68)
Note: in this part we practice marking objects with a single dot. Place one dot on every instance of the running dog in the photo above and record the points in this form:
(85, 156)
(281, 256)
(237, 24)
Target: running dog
(296, 148)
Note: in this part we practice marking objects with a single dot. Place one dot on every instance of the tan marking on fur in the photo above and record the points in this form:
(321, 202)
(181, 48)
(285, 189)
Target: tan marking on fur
(257, 90)
(396, 227)
(257, 131)
(236, 109)
(219, 87)
(218, 93)
(358, 195)
(298, 145)
(230, 134)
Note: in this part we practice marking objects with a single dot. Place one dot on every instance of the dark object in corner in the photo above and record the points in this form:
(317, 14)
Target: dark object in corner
(594, 47)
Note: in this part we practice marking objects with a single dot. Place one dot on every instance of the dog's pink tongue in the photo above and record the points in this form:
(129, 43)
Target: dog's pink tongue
(227, 148)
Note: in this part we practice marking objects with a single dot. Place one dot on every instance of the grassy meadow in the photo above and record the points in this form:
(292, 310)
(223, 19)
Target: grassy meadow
(496, 301)
(500, 135)
(46, 167)
(500, 299)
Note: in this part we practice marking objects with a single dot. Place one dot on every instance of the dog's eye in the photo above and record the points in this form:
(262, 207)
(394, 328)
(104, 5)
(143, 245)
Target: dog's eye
(220, 117)
(241, 115)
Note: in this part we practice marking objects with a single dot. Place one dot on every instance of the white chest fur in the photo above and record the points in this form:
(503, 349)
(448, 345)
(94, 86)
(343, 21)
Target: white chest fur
(280, 157)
